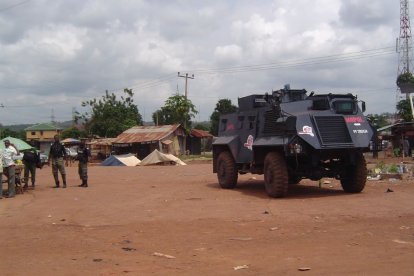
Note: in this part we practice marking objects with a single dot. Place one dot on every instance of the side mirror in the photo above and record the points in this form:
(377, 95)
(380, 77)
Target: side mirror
(363, 106)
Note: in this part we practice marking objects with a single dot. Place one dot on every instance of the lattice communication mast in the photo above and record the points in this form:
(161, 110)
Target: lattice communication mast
(404, 44)
(404, 48)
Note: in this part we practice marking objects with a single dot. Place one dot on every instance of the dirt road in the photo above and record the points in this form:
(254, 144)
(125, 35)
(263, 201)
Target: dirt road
(175, 220)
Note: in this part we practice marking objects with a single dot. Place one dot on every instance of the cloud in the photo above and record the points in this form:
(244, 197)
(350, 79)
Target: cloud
(56, 54)
(228, 54)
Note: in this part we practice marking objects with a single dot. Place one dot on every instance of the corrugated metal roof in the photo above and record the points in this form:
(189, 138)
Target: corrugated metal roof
(101, 141)
(200, 133)
(140, 134)
(402, 124)
(43, 126)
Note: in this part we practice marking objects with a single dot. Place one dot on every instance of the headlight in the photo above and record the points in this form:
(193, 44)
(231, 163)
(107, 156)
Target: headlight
(295, 148)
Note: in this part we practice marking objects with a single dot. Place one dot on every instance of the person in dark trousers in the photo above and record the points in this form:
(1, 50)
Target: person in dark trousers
(1, 174)
(82, 157)
(57, 155)
(9, 152)
(30, 160)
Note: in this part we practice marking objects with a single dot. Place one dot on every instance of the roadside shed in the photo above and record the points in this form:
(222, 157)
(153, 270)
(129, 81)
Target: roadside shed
(400, 135)
(100, 148)
(198, 141)
(142, 140)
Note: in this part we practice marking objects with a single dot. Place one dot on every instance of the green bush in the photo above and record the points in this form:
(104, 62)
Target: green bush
(406, 77)
(393, 168)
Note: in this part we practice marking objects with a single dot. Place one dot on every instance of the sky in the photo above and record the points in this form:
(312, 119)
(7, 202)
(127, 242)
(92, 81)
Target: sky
(55, 54)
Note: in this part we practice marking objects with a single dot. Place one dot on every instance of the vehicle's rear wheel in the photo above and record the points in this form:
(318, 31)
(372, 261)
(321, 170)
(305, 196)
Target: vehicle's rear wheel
(275, 175)
(354, 178)
(226, 170)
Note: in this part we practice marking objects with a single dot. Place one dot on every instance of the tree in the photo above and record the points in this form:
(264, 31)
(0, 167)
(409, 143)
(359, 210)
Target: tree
(377, 120)
(404, 110)
(223, 106)
(6, 132)
(72, 132)
(176, 110)
(203, 126)
(109, 116)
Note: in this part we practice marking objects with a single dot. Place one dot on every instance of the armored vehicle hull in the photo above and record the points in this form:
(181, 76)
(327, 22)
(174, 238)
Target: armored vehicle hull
(289, 136)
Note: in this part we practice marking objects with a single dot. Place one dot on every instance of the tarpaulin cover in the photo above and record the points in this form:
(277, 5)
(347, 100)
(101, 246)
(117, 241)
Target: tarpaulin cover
(157, 157)
(20, 144)
(121, 160)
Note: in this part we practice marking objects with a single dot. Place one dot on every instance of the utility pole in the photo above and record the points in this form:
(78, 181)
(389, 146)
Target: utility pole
(185, 95)
(186, 81)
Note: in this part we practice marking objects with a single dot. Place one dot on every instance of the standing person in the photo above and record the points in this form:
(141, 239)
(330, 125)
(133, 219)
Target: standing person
(1, 174)
(30, 160)
(8, 163)
(56, 155)
(82, 157)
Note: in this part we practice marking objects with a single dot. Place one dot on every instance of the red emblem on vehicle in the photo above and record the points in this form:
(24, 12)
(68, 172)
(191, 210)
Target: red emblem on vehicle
(354, 119)
(230, 126)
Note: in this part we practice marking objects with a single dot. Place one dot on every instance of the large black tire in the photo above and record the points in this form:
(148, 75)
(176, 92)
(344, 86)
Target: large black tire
(354, 178)
(275, 175)
(226, 170)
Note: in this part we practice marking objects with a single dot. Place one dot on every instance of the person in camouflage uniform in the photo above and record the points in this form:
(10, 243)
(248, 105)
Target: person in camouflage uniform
(57, 155)
(82, 157)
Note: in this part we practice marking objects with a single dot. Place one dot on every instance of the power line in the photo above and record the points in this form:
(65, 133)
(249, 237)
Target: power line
(279, 65)
(369, 53)
(14, 5)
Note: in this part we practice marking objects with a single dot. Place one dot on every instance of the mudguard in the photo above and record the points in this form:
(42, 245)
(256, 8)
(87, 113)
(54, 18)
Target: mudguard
(232, 142)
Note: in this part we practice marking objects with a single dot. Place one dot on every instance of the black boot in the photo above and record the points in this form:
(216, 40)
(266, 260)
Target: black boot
(84, 183)
(64, 180)
(57, 185)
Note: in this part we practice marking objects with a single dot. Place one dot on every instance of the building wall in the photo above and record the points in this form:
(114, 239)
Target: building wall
(41, 135)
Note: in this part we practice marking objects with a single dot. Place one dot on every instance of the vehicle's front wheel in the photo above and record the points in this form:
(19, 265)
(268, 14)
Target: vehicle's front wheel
(226, 170)
(354, 177)
(275, 175)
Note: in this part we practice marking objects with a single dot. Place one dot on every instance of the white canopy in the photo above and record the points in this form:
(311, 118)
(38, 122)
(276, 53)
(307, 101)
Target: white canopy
(157, 157)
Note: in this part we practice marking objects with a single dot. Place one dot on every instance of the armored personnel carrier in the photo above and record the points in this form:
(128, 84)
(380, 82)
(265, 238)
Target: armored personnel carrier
(288, 136)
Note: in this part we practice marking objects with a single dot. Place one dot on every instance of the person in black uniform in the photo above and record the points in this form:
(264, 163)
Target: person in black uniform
(82, 157)
(57, 155)
(30, 160)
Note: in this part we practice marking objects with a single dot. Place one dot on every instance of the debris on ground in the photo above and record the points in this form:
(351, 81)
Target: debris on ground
(240, 267)
(163, 255)
(304, 268)
(274, 228)
(389, 190)
(403, 242)
(128, 249)
(377, 177)
(241, 239)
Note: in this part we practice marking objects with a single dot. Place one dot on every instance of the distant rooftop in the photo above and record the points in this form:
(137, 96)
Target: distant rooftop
(43, 126)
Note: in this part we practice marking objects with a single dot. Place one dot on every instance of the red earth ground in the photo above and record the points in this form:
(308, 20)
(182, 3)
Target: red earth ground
(176, 220)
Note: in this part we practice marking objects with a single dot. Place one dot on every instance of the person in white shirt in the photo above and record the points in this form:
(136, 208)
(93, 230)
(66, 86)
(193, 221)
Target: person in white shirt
(1, 174)
(8, 164)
